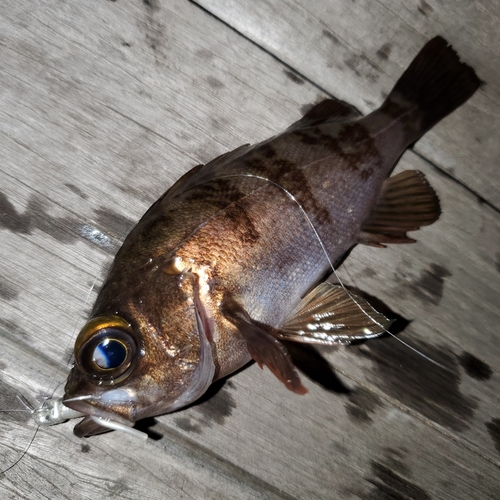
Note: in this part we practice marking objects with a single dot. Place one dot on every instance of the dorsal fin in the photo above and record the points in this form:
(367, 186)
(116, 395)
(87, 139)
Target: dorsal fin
(406, 203)
(201, 173)
(228, 157)
(329, 110)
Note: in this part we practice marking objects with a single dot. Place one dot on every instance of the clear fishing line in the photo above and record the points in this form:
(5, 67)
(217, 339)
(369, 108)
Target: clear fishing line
(29, 408)
(330, 263)
(428, 358)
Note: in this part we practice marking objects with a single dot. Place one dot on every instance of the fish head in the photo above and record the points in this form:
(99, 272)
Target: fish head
(141, 359)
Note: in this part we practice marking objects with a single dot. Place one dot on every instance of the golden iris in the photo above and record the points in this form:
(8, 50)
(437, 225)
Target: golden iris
(105, 349)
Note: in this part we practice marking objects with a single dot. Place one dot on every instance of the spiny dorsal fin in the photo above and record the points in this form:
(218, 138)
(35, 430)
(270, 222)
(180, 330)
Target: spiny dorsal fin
(329, 110)
(201, 173)
(263, 347)
(228, 157)
(406, 203)
(331, 315)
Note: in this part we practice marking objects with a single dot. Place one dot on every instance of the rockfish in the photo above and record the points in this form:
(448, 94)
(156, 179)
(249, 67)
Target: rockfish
(226, 264)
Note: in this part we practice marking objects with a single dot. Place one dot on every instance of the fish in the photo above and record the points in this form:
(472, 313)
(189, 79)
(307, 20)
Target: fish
(230, 261)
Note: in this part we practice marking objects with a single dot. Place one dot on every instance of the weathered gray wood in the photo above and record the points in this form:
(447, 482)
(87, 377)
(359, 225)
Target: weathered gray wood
(59, 466)
(308, 447)
(357, 50)
(103, 106)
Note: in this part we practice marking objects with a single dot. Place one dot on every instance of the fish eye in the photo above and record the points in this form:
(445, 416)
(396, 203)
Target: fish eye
(105, 350)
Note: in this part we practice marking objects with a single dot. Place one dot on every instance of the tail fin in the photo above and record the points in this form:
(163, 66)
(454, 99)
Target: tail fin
(435, 84)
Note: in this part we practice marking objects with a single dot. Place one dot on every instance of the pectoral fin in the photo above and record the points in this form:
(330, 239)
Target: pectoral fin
(263, 347)
(331, 315)
(406, 203)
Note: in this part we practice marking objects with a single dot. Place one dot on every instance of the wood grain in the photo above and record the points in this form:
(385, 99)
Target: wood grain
(104, 105)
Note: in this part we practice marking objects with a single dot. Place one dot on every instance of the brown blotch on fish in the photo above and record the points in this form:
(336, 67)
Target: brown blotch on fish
(367, 173)
(353, 144)
(242, 224)
(290, 176)
(310, 137)
(396, 111)
(267, 151)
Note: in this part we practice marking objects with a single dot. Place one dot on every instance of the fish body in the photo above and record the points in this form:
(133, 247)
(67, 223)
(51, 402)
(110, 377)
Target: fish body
(220, 269)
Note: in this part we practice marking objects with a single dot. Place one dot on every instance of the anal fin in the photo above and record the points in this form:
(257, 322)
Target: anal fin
(330, 314)
(406, 203)
(263, 347)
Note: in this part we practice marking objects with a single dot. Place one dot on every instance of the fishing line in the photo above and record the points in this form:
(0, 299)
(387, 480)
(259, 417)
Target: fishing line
(292, 197)
(414, 349)
(68, 345)
(31, 409)
(23, 453)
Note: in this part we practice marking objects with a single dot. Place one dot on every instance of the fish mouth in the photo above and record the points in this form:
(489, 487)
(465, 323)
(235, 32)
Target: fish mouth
(98, 420)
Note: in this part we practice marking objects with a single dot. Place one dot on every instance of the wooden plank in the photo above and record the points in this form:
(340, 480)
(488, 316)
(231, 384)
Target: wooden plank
(292, 447)
(326, 445)
(103, 107)
(59, 466)
(357, 50)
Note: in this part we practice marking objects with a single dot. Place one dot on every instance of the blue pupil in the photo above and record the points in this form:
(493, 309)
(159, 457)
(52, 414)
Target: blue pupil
(110, 354)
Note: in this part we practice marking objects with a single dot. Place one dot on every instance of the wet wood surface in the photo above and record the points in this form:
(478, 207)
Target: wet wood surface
(104, 104)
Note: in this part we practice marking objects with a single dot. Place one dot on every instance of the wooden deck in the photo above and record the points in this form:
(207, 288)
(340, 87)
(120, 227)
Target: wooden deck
(104, 103)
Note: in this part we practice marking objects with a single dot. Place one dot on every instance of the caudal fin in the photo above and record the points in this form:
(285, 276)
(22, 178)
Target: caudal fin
(435, 84)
